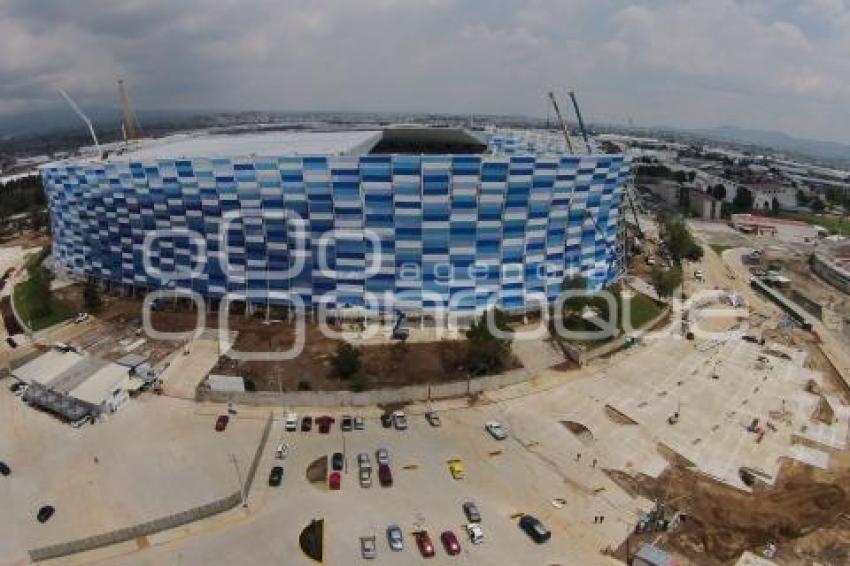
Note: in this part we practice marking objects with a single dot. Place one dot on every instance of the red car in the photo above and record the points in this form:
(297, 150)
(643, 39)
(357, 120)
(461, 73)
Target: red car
(423, 541)
(334, 481)
(450, 543)
(385, 475)
(221, 422)
(324, 423)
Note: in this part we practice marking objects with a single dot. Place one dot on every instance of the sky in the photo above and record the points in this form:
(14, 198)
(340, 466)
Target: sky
(768, 64)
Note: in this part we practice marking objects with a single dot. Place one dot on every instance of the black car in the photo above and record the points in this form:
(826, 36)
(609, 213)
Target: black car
(535, 529)
(337, 461)
(347, 423)
(306, 424)
(276, 476)
(4, 469)
(386, 420)
(45, 513)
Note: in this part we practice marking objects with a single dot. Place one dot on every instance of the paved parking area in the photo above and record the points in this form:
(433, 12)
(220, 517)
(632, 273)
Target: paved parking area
(154, 457)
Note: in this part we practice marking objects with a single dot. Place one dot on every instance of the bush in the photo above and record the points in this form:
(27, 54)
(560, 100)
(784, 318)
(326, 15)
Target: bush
(359, 382)
(486, 353)
(304, 386)
(250, 385)
(346, 361)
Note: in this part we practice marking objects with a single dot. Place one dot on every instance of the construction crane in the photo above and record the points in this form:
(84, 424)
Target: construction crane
(580, 121)
(84, 118)
(561, 120)
(129, 123)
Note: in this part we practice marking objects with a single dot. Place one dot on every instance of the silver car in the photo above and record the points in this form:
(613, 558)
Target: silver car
(382, 457)
(394, 538)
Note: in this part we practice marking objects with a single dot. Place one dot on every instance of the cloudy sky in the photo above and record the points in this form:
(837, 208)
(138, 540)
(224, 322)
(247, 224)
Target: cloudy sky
(771, 64)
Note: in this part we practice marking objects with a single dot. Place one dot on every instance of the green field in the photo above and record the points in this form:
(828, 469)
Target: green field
(831, 223)
(643, 309)
(28, 303)
(719, 248)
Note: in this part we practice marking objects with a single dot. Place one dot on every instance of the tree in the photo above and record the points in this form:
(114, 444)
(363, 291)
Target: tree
(346, 361)
(718, 191)
(666, 281)
(817, 205)
(91, 296)
(485, 352)
(774, 206)
(743, 199)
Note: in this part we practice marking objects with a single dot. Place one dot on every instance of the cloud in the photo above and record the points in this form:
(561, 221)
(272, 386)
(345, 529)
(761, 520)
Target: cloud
(756, 63)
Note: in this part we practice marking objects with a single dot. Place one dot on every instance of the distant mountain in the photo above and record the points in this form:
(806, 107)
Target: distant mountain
(780, 141)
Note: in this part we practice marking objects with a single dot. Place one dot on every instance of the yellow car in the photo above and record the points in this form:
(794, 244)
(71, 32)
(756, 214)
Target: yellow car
(456, 468)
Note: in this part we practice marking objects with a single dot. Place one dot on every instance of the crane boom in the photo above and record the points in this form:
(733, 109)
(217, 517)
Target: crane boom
(83, 117)
(130, 123)
(580, 121)
(561, 120)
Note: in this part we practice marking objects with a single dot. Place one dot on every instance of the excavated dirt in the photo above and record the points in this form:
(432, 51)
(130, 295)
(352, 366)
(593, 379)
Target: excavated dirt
(803, 514)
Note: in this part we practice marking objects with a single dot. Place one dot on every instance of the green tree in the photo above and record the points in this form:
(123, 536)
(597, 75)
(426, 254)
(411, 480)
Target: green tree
(666, 281)
(817, 205)
(718, 191)
(346, 361)
(486, 352)
(91, 296)
(743, 199)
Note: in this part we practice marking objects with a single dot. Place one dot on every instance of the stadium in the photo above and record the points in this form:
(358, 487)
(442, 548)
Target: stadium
(402, 218)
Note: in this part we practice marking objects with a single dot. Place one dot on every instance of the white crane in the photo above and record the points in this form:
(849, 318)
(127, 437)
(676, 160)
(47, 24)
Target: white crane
(83, 117)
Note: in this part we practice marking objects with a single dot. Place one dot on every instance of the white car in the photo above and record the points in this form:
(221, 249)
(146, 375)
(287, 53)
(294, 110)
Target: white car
(400, 420)
(290, 422)
(476, 534)
(699, 275)
(496, 430)
(81, 317)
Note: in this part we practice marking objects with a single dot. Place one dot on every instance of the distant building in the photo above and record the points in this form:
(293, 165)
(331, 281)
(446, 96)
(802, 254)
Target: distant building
(832, 263)
(704, 205)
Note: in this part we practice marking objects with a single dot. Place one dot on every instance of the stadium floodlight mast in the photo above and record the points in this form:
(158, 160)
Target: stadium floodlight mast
(83, 117)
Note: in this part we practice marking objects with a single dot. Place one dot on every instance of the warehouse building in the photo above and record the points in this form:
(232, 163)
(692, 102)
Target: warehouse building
(321, 219)
(74, 385)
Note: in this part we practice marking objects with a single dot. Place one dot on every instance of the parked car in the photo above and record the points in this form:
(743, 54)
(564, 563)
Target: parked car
(450, 543)
(306, 424)
(81, 421)
(334, 481)
(359, 423)
(470, 509)
(385, 475)
(337, 461)
(456, 468)
(386, 420)
(81, 317)
(290, 422)
(476, 534)
(382, 456)
(4, 469)
(535, 529)
(365, 467)
(276, 476)
(496, 430)
(395, 538)
(15, 386)
(347, 423)
(368, 549)
(699, 275)
(433, 418)
(324, 423)
(221, 422)
(423, 541)
(400, 420)
(11, 342)
(44, 513)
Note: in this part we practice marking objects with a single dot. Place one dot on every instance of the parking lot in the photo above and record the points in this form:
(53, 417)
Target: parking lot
(154, 457)
(501, 478)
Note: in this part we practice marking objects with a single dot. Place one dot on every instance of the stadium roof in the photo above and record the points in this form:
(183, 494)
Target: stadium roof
(279, 143)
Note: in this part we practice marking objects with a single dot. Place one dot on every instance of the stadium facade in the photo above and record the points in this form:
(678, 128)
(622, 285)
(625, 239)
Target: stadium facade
(343, 229)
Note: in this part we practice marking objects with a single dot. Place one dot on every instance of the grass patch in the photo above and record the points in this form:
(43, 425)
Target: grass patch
(831, 223)
(37, 307)
(720, 248)
(642, 310)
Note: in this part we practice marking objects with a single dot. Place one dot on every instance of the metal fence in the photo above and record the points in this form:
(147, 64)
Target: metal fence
(157, 525)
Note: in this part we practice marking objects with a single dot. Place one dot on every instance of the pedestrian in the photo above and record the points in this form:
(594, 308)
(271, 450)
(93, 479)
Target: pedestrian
(601, 518)
(594, 463)
(578, 456)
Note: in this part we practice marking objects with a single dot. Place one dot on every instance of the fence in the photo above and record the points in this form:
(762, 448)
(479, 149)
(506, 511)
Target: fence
(157, 525)
(407, 394)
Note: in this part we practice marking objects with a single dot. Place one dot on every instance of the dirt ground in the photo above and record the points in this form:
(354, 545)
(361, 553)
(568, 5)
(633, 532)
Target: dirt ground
(384, 365)
(25, 239)
(804, 514)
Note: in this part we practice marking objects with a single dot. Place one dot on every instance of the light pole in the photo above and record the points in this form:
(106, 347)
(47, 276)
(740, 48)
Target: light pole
(242, 493)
